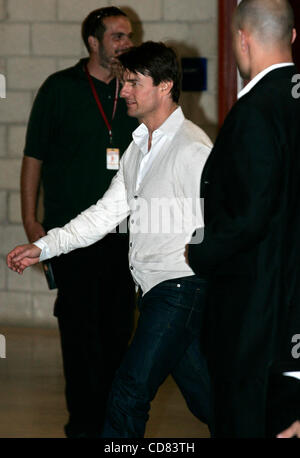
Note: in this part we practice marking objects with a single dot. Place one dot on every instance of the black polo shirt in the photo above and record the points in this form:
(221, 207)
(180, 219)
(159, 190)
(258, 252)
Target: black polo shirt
(67, 132)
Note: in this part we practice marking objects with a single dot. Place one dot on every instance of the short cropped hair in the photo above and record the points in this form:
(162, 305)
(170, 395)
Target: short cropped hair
(93, 24)
(156, 60)
(272, 20)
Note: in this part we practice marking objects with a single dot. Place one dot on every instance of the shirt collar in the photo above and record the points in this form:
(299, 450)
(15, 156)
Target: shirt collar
(168, 128)
(260, 76)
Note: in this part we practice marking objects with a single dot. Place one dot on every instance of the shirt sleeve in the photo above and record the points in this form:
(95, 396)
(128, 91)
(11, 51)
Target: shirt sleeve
(45, 250)
(189, 172)
(92, 224)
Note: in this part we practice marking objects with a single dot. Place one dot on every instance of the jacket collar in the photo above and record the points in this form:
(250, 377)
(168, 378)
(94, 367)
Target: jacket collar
(260, 76)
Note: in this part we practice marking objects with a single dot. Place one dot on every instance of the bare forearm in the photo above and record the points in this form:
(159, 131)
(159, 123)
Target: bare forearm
(30, 181)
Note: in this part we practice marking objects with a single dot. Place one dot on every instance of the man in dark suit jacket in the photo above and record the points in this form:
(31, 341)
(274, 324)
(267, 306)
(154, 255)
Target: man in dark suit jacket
(251, 246)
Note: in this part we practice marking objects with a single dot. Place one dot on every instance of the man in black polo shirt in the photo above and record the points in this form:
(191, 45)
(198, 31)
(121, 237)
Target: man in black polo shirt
(77, 131)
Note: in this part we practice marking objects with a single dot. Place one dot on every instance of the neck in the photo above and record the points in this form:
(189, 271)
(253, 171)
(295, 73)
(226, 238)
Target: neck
(97, 71)
(155, 120)
(269, 59)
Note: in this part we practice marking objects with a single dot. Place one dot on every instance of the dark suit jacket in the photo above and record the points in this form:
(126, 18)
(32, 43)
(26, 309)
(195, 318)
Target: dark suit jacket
(251, 246)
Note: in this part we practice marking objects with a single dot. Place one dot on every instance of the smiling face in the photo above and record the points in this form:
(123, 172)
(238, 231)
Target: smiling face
(116, 40)
(143, 99)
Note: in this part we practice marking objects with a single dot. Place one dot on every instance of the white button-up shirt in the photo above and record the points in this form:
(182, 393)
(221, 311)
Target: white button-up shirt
(160, 191)
(159, 141)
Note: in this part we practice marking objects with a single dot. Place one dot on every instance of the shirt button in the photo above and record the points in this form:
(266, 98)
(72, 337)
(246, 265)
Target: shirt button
(136, 197)
(130, 244)
(132, 221)
(131, 268)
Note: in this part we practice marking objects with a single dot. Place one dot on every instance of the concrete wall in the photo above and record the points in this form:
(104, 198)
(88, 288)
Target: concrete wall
(39, 37)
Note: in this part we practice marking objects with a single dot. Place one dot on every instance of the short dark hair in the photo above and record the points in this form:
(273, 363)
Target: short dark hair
(272, 20)
(156, 60)
(93, 23)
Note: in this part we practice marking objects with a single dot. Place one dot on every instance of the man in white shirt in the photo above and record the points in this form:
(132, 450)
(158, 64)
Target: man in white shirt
(158, 185)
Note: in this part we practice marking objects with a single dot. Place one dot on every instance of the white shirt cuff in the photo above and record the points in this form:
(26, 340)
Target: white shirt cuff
(45, 249)
(292, 374)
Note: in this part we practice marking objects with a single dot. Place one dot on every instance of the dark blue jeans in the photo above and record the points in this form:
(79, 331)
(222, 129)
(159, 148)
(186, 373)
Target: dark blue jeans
(166, 341)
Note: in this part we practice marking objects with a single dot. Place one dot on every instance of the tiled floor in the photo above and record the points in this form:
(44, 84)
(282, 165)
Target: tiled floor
(32, 400)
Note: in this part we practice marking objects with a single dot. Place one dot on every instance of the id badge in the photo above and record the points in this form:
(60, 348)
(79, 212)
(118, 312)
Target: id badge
(112, 158)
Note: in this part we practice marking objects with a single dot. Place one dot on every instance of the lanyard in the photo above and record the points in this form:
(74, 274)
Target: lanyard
(108, 125)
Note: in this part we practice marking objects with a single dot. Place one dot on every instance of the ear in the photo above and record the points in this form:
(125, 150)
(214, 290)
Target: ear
(166, 87)
(294, 36)
(243, 40)
(93, 43)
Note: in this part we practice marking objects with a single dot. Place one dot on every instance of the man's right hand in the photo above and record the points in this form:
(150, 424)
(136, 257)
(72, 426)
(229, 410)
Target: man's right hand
(23, 256)
(34, 231)
(292, 431)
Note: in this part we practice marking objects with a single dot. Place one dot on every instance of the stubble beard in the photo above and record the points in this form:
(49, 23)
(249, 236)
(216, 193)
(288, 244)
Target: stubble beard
(105, 61)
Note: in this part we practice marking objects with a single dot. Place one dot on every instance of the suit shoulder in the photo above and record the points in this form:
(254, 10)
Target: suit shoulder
(267, 95)
(248, 110)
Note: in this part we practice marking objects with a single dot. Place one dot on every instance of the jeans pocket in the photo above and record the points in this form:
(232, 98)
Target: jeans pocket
(169, 293)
